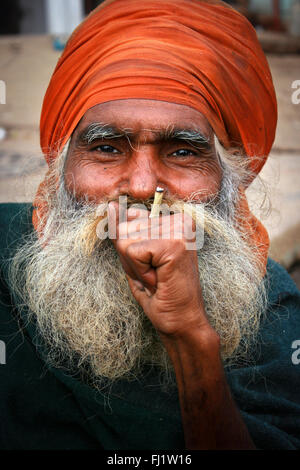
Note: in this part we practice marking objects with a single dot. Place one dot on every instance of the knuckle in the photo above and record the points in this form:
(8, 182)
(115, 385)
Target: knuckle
(122, 246)
(133, 249)
(123, 230)
(130, 249)
(179, 245)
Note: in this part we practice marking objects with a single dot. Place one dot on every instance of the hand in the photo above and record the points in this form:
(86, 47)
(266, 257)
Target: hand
(164, 279)
(162, 273)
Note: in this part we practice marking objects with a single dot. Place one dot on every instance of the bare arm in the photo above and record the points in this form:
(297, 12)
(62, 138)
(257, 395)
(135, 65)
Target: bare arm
(210, 417)
(163, 277)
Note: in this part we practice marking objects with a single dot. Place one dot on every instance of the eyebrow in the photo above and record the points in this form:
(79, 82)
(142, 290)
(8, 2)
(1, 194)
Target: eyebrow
(192, 136)
(99, 131)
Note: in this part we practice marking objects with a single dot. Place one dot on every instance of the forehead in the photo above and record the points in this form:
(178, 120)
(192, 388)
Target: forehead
(140, 114)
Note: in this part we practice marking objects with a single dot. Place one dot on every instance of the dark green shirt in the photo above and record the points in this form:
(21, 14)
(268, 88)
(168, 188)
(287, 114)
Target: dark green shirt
(45, 408)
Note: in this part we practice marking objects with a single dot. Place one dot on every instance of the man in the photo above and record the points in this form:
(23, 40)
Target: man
(137, 340)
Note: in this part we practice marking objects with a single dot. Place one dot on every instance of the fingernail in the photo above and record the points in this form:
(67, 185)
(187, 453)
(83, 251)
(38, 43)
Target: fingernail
(113, 204)
(147, 292)
(139, 285)
(132, 212)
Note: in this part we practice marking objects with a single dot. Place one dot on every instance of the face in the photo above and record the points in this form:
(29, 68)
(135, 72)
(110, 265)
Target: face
(129, 147)
(85, 309)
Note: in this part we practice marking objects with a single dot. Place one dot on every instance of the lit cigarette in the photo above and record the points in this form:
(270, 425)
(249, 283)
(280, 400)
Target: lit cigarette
(158, 196)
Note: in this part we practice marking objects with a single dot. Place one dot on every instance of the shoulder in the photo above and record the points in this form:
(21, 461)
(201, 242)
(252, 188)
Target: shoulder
(266, 388)
(283, 309)
(280, 285)
(15, 223)
(14, 213)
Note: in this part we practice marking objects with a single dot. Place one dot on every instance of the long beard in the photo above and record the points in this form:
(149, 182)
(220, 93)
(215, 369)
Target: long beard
(87, 315)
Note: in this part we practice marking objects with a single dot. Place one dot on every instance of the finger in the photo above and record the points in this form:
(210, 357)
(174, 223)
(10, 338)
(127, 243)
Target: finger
(124, 215)
(177, 226)
(136, 211)
(162, 227)
(140, 293)
(139, 257)
(142, 272)
(131, 223)
(136, 260)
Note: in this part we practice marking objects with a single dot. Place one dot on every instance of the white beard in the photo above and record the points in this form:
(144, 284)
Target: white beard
(88, 316)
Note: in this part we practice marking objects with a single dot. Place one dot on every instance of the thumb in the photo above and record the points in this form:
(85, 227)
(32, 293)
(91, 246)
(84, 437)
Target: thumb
(140, 292)
(139, 260)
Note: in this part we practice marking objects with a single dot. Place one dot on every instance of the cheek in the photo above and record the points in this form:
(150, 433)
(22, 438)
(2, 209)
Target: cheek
(88, 181)
(202, 186)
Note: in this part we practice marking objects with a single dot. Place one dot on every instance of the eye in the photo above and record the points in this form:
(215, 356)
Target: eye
(184, 153)
(105, 149)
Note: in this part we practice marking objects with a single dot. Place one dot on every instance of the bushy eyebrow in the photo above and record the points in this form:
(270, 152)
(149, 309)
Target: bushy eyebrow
(99, 131)
(194, 137)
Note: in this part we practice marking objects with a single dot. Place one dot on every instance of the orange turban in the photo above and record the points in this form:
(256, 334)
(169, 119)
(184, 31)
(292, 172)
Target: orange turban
(202, 54)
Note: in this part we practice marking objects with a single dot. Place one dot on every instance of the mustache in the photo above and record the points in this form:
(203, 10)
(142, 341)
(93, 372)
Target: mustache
(85, 310)
(169, 199)
(204, 215)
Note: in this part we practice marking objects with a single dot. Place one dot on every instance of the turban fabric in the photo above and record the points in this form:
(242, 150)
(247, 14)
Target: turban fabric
(202, 54)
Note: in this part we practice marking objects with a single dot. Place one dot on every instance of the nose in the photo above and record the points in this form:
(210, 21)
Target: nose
(142, 176)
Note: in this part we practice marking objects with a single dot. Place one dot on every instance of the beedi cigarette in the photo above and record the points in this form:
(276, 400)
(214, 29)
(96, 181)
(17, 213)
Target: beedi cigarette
(158, 196)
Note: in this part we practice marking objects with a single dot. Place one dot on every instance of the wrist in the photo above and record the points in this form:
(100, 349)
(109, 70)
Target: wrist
(196, 347)
(199, 334)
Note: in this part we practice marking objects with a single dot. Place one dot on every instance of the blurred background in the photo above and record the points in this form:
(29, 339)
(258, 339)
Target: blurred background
(33, 34)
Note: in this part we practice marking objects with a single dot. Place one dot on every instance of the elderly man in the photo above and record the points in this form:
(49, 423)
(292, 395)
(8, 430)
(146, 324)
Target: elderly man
(118, 337)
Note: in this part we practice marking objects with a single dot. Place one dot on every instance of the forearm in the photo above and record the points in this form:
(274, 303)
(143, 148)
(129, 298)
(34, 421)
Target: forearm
(174, 304)
(210, 417)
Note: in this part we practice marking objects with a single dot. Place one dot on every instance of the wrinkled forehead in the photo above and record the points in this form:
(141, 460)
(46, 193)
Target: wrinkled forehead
(137, 117)
(201, 54)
